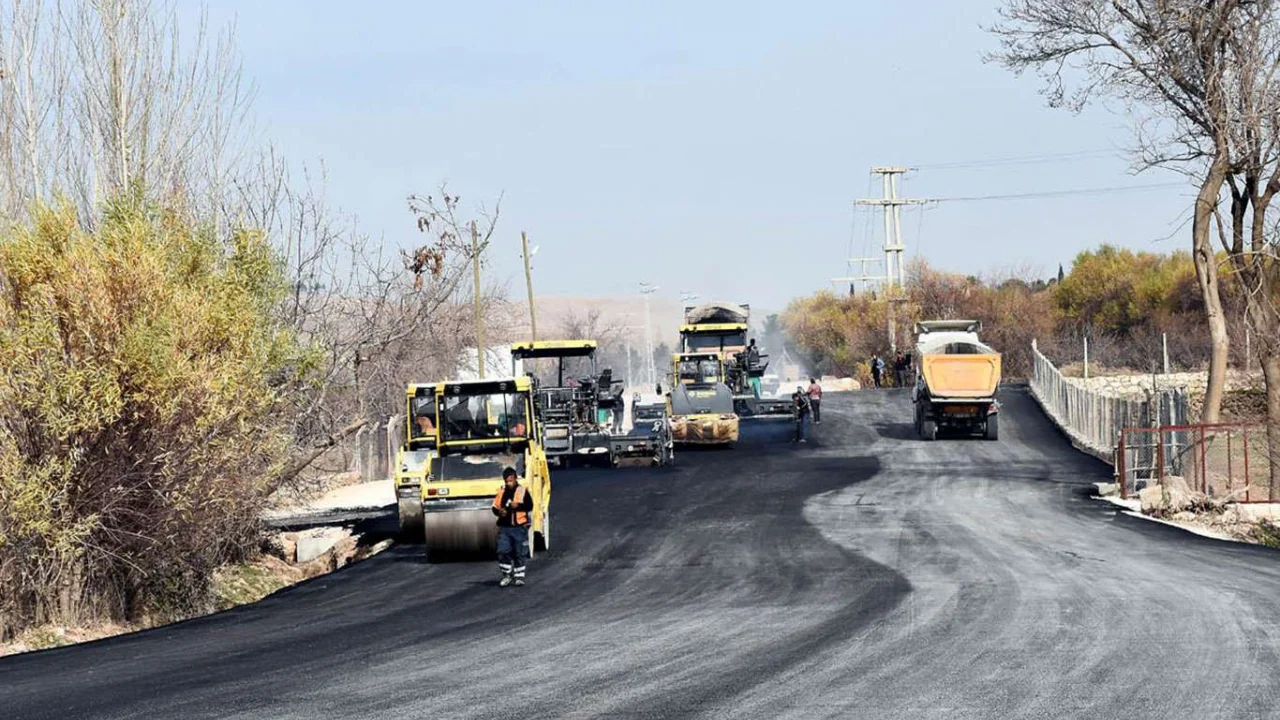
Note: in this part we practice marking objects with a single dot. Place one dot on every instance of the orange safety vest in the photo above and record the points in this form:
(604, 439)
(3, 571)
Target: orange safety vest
(522, 517)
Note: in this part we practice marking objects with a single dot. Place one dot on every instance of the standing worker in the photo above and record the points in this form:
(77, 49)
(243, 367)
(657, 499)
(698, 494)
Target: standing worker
(877, 367)
(753, 362)
(512, 505)
(800, 407)
(900, 370)
(815, 400)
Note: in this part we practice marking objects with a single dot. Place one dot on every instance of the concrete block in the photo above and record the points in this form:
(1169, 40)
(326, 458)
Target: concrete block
(1257, 512)
(311, 547)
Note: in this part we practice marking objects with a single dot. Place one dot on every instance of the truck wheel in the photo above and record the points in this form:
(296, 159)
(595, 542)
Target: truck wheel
(992, 431)
(929, 430)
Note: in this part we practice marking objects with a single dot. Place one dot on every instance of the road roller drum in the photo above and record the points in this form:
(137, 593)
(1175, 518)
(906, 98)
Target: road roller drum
(460, 532)
(411, 527)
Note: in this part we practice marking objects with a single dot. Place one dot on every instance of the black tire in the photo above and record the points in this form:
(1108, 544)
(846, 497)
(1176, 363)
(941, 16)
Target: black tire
(918, 420)
(929, 430)
(992, 430)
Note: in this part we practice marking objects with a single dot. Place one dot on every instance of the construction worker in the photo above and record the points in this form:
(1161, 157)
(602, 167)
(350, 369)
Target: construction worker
(512, 506)
(800, 409)
(752, 362)
(815, 400)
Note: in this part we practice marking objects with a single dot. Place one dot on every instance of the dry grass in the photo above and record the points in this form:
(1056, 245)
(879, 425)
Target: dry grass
(234, 585)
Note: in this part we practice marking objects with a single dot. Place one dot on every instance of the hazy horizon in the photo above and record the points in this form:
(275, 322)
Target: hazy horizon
(714, 148)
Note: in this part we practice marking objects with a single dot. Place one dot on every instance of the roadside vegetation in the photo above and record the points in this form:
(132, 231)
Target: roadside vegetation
(1126, 303)
(188, 326)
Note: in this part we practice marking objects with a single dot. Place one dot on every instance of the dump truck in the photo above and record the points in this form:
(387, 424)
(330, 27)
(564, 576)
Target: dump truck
(721, 328)
(482, 426)
(957, 376)
(700, 405)
(414, 457)
(580, 411)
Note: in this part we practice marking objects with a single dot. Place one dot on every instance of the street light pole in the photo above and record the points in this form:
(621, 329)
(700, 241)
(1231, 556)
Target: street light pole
(648, 289)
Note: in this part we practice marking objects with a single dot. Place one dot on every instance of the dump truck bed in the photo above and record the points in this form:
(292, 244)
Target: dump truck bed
(961, 377)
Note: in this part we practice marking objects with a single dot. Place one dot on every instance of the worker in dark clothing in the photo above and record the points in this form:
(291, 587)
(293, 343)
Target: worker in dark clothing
(800, 409)
(753, 362)
(513, 506)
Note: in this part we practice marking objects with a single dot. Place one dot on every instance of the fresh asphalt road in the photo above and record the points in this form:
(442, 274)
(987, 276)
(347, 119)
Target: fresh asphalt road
(867, 574)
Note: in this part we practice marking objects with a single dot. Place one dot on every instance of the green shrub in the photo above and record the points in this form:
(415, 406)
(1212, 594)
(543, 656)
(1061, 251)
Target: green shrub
(138, 424)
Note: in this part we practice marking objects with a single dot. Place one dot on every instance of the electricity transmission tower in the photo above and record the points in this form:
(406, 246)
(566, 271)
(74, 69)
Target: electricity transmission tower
(894, 278)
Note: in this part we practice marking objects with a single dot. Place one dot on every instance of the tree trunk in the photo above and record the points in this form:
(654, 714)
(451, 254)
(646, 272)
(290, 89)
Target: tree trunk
(1271, 377)
(1207, 277)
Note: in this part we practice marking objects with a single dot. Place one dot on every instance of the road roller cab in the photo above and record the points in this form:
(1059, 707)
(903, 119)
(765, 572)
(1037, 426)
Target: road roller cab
(482, 426)
(413, 459)
(700, 404)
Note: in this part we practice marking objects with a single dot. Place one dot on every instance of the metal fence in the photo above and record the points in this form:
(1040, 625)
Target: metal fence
(1225, 461)
(1094, 420)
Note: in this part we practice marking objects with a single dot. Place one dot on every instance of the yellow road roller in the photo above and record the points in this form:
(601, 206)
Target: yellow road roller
(700, 403)
(482, 426)
(414, 457)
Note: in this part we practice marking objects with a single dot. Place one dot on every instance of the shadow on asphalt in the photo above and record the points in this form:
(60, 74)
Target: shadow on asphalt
(896, 431)
(907, 431)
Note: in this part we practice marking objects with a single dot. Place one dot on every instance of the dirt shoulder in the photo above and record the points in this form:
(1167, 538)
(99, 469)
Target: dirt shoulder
(321, 550)
(1254, 523)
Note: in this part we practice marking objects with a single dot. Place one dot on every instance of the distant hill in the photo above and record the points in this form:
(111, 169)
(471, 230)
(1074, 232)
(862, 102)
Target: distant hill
(666, 314)
(615, 312)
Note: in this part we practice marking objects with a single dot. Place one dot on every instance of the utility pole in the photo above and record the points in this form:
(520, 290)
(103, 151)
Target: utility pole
(528, 281)
(476, 301)
(648, 289)
(894, 280)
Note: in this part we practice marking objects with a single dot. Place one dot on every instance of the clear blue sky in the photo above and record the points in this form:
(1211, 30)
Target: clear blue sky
(708, 146)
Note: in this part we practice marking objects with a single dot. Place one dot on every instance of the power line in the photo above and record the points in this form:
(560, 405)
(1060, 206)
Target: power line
(1062, 193)
(1022, 160)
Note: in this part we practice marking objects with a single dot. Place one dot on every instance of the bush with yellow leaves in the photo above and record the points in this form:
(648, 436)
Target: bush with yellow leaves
(140, 411)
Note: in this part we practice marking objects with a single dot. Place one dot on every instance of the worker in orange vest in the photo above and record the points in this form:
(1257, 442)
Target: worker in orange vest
(512, 505)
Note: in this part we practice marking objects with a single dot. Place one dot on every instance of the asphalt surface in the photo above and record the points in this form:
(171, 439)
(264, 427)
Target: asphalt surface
(866, 574)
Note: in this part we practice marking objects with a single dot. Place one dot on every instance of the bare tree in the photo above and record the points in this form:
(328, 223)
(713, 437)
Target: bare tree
(376, 319)
(1169, 63)
(103, 97)
(1252, 87)
(611, 346)
(108, 96)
